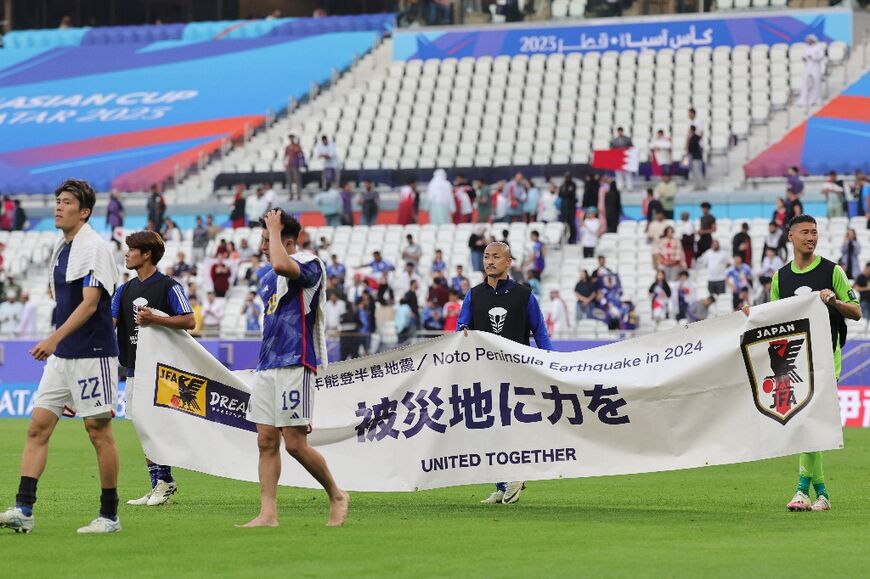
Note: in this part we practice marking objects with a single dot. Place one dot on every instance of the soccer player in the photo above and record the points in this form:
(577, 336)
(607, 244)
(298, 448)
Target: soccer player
(499, 305)
(131, 308)
(810, 272)
(82, 359)
(294, 343)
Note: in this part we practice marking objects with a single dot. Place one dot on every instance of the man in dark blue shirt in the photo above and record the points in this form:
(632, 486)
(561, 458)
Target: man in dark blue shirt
(501, 306)
(82, 369)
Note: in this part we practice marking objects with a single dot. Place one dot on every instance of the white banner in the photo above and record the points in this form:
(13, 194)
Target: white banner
(458, 410)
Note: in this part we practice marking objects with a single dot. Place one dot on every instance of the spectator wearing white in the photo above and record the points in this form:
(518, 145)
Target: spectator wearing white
(329, 203)
(269, 197)
(212, 314)
(27, 319)
(662, 150)
(835, 194)
(770, 263)
(558, 320)
(696, 121)
(335, 308)
(462, 205)
(590, 230)
(502, 211)
(325, 151)
(814, 64)
(671, 258)
(402, 280)
(624, 179)
(255, 207)
(654, 234)
(547, 210)
(439, 196)
(716, 261)
(530, 205)
(10, 314)
(515, 192)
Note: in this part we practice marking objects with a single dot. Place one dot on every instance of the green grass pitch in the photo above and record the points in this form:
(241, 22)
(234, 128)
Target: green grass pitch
(714, 522)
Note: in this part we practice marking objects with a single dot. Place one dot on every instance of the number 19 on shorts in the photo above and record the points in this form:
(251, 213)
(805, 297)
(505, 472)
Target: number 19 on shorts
(290, 399)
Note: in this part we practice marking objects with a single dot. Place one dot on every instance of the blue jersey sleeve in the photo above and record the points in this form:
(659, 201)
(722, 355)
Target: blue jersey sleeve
(116, 302)
(91, 281)
(310, 275)
(178, 304)
(539, 326)
(465, 319)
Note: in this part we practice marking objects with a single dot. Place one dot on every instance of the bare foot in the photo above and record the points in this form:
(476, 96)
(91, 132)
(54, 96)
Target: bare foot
(338, 510)
(261, 521)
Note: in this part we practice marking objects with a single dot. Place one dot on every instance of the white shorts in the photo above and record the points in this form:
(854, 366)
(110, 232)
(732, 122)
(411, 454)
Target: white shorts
(282, 397)
(87, 386)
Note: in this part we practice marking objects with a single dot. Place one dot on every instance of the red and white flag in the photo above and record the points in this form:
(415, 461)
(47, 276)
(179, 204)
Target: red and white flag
(621, 159)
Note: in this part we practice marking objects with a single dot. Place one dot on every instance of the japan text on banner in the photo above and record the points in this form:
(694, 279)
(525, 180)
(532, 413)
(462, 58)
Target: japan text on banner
(459, 410)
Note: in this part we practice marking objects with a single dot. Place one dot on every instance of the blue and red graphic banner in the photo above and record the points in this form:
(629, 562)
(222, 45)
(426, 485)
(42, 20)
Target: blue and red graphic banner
(126, 115)
(729, 30)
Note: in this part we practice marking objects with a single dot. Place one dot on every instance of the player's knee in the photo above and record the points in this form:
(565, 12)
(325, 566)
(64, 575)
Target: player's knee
(99, 434)
(38, 433)
(295, 444)
(268, 442)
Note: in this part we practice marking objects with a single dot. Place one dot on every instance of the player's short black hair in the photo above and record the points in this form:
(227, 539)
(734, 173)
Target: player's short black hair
(706, 205)
(82, 191)
(147, 241)
(798, 219)
(290, 227)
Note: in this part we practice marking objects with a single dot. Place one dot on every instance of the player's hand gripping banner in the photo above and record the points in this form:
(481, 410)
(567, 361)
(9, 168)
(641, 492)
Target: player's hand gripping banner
(479, 408)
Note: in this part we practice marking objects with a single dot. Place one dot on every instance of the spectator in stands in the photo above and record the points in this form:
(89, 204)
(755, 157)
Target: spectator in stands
(548, 210)
(685, 233)
(379, 264)
(329, 203)
(156, 206)
(403, 279)
(65, 22)
(794, 184)
(850, 251)
(654, 233)
(775, 240)
(764, 293)
(584, 293)
(696, 122)
(357, 289)
(366, 311)
(404, 322)
(501, 204)
(385, 295)
(670, 259)
(451, 310)
(412, 251)
(770, 263)
(255, 207)
(232, 252)
(433, 319)
(699, 309)
(370, 203)
(237, 208)
(412, 14)
(252, 310)
(13, 286)
(742, 244)
(624, 179)
(612, 206)
(294, 165)
(516, 194)
(222, 250)
(349, 339)
(814, 63)
(335, 307)
(439, 12)
(457, 280)
(246, 252)
(483, 201)
(181, 267)
(530, 205)
(862, 286)
(463, 209)
(706, 228)
(558, 320)
(408, 203)
(660, 296)
(684, 294)
(200, 240)
(438, 264)
(325, 151)
(438, 291)
(220, 277)
(857, 190)
(536, 253)
(649, 206)
(662, 149)
(666, 193)
(170, 230)
(19, 217)
(335, 268)
(695, 153)
(716, 261)
(591, 187)
(835, 195)
(7, 212)
(115, 211)
(590, 230)
(793, 205)
(27, 320)
(602, 269)
(477, 244)
(410, 298)
(10, 314)
(568, 206)
(346, 204)
(738, 277)
(211, 227)
(439, 195)
(212, 314)
(779, 213)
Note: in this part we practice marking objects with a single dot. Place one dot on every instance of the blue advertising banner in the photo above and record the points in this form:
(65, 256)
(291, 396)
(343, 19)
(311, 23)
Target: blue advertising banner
(692, 32)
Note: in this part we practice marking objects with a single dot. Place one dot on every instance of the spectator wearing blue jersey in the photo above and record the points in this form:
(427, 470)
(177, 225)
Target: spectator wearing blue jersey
(82, 359)
(294, 345)
(133, 307)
